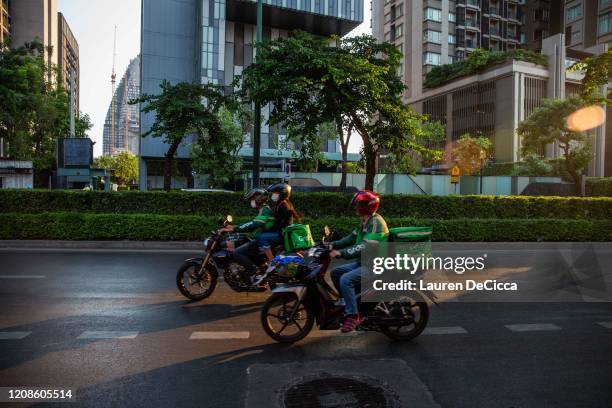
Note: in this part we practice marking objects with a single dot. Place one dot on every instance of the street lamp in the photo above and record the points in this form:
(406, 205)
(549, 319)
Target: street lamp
(257, 118)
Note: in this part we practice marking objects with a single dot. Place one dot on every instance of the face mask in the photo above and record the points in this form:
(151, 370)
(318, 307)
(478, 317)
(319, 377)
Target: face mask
(275, 197)
(253, 204)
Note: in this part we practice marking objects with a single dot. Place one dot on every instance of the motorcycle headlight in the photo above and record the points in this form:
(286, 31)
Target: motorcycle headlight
(312, 251)
(206, 242)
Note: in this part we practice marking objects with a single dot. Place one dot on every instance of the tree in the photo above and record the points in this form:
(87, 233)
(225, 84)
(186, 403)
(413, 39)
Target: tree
(180, 110)
(548, 124)
(82, 125)
(220, 159)
(124, 167)
(35, 108)
(311, 80)
(597, 73)
(471, 153)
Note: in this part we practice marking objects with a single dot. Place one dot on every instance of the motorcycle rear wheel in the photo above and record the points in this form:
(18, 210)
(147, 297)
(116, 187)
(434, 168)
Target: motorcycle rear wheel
(276, 311)
(207, 281)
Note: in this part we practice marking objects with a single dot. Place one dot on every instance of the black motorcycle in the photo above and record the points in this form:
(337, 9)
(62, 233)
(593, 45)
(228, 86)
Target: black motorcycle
(197, 278)
(292, 310)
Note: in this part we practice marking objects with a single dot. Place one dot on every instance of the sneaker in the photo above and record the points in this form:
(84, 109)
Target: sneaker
(351, 322)
(340, 302)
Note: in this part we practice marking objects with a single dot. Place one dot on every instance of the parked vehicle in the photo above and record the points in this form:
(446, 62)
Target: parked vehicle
(197, 278)
(306, 298)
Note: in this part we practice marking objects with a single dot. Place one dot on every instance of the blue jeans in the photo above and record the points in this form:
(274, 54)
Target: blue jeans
(269, 239)
(346, 278)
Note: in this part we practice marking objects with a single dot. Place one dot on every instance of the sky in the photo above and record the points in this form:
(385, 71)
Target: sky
(92, 23)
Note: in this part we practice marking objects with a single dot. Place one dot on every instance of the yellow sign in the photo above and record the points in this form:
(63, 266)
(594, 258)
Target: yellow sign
(455, 173)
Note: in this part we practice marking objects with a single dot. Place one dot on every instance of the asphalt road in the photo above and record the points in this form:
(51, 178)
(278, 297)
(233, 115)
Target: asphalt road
(59, 308)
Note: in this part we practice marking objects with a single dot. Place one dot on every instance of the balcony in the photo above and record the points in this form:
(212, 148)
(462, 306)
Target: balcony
(494, 10)
(472, 23)
(469, 43)
(473, 3)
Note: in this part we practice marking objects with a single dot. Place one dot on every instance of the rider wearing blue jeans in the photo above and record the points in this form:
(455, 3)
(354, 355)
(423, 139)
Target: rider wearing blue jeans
(348, 276)
(284, 214)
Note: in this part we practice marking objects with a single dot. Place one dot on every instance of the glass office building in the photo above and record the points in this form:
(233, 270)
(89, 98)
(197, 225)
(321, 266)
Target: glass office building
(212, 41)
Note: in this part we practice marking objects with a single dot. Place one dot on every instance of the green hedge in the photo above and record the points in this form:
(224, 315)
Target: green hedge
(309, 204)
(599, 186)
(83, 226)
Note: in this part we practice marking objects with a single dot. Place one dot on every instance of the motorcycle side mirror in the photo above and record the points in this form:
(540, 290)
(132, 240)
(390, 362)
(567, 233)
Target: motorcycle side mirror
(228, 220)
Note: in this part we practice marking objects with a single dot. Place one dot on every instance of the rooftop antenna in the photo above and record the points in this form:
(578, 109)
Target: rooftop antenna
(113, 78)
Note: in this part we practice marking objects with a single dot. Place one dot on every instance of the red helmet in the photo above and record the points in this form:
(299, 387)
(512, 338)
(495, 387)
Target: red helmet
(366, 202)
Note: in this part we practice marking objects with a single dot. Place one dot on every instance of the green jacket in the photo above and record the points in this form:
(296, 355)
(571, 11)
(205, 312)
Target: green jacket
(262, 222)
(373, 230)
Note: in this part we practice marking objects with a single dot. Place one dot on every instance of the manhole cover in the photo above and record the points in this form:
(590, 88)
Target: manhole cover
(337, 392)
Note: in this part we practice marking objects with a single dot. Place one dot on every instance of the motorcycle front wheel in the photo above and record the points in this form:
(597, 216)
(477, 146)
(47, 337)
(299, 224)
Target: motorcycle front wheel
(277, 321)
(414, 310)
(195, 285)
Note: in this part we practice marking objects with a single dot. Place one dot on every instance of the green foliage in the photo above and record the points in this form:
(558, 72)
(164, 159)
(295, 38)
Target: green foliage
(35, 108)
(471, 153)
(79, 226)
(82, 125)
(478, 61)
(597, 73)
(311, 81)
(548, 124)
(531, 166)
(599, 186)
(183, 109)
(315, 205)
(355, 168)
(124, 167)
(216, 153)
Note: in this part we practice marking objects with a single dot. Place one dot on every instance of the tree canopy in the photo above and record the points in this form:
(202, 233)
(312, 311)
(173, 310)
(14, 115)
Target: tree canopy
(310, 81)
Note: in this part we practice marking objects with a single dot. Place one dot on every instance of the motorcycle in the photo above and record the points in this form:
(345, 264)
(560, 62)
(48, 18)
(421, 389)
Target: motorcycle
(197, 278)
(306, 298)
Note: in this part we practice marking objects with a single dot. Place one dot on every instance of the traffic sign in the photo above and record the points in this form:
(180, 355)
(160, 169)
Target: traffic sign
(455, 173)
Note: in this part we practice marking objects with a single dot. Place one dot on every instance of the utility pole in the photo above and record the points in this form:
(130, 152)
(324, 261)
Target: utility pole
(257, 118)
(113, 77)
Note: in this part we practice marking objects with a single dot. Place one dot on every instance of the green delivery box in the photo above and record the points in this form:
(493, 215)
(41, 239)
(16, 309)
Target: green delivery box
(297, 237)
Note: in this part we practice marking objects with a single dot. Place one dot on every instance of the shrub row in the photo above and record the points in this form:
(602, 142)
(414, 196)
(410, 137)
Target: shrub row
(309, 204)
(83, 226)
(599, 186)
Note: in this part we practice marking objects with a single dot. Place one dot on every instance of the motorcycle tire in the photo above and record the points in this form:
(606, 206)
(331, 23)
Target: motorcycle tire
(284, 298)
(395, 334)
(180, 275)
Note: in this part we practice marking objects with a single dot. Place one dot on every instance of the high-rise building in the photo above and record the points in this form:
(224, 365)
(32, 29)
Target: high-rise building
(212, 41)
(35, 19)
(126, 130)
(433, 32)
(68, 58)
(5, 20)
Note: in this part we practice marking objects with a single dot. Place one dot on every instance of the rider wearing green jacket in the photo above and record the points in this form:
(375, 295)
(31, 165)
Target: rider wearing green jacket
(373, 228)
(264, 220)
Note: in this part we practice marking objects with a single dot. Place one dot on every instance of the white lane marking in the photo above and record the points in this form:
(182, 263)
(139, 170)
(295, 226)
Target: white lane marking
(22, 276)
(219, 335)
(15, 335)
(607, 325)
(108, 335)
(532, 327)
(445, 330)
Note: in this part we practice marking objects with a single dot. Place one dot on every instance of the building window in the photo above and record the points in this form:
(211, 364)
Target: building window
(604, 2)
(452, 17)
(522, 39)
(433, 14)
(452, 59)
(431, 58)
(433, 36)
(399, 30)
(605, 23)
(452, 39)
(574, 12)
